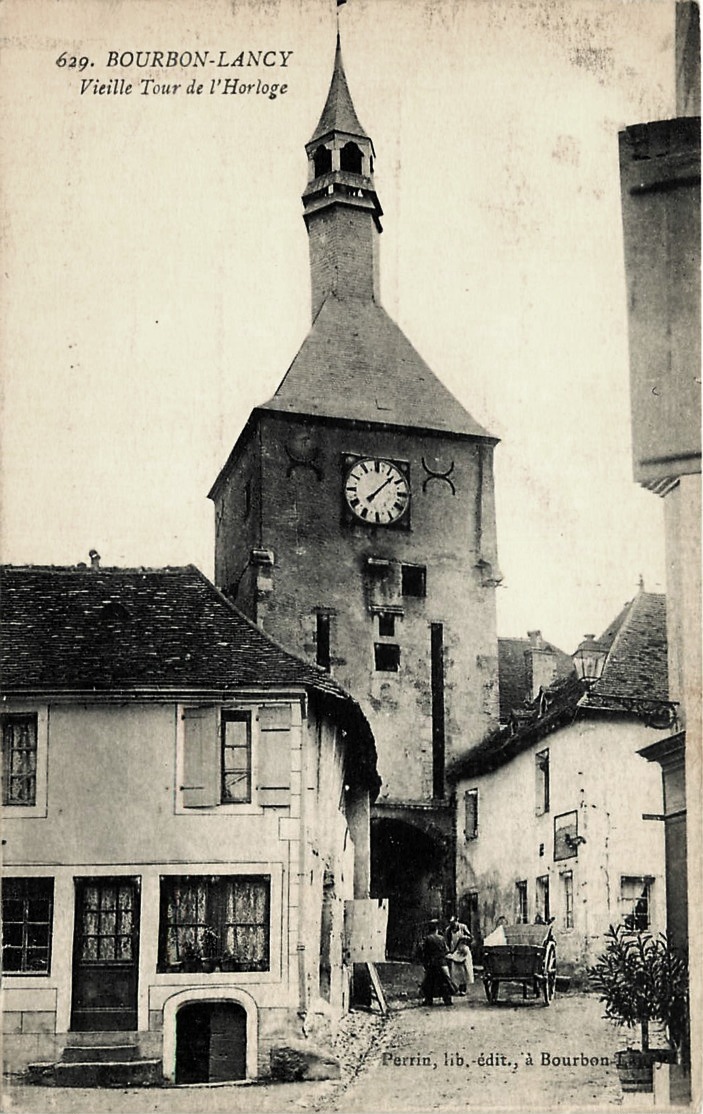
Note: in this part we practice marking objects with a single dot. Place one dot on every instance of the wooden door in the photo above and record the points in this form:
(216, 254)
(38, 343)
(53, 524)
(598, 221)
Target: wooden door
(211, 1042)
(105, 954)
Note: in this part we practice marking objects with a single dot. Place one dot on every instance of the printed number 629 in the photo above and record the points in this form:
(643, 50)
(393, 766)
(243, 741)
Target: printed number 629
(71, 62)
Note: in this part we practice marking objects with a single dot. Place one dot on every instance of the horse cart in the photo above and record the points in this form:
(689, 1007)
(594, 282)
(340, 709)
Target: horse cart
(521, 953)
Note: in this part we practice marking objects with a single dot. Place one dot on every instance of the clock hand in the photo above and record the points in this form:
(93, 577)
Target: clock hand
(369, 498)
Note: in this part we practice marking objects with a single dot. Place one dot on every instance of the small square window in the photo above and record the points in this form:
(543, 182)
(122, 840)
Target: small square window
(386, 625)
(413, 580)
(386, 657)
(636, 902)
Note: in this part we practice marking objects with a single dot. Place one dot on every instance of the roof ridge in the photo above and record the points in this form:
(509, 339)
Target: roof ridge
(81, 568)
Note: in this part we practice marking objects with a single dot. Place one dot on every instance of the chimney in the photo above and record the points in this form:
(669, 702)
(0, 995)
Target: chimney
(94, 559)
(541, 664)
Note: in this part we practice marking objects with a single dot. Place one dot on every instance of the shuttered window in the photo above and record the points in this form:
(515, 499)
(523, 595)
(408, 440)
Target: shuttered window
(274, 754)
(217, 757)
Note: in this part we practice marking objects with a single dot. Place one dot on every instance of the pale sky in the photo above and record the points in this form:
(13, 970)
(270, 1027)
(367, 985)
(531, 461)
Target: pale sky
(156, 282)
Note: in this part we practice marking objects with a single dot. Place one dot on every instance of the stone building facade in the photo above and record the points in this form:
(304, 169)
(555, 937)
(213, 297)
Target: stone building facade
(356, 524)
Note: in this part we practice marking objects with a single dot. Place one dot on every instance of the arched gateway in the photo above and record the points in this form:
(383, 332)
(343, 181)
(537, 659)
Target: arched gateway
(411, 865)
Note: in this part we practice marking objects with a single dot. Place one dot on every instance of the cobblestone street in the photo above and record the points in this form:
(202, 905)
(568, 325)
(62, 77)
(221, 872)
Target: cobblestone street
(512, 1055)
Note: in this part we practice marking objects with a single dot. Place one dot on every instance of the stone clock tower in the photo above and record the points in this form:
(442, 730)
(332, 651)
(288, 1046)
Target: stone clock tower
(355, 523)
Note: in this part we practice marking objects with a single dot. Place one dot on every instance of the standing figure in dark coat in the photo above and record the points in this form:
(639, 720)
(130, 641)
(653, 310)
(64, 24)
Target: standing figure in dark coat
(433, 954)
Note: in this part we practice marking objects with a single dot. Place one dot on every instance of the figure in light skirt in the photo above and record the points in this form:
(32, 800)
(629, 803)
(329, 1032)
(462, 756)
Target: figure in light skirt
(461, 967)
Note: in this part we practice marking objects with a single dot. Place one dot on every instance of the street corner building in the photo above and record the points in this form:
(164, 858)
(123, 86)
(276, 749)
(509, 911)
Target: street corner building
(559, 816)
(355, 523)
(186, 812)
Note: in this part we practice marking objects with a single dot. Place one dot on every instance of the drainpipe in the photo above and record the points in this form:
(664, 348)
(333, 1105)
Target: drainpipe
(302, 871)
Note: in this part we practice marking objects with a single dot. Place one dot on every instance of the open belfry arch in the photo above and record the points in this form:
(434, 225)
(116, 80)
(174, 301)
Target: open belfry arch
(356, 525)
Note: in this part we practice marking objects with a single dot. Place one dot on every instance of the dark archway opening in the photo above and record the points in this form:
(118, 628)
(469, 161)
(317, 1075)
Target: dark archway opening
(211, 1042)
(410, 868)
(322, 160)
(350, 158)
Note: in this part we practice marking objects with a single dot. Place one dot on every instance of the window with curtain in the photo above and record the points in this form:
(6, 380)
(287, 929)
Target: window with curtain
(221, 920)
(19, 759)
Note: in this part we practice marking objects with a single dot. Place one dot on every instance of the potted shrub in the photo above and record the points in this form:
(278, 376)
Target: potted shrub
(191, 957)
(228, 961)
(641, 981)
(211, 949)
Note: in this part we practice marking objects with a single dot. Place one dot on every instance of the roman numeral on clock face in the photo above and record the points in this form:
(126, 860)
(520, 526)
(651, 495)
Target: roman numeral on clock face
(377, 491)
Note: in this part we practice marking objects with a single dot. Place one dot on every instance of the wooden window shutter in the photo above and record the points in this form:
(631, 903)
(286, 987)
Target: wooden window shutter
(201, 758)
(274, 754)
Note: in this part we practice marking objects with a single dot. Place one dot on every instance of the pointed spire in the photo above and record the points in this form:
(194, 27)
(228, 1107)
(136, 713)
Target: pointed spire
(339, 114)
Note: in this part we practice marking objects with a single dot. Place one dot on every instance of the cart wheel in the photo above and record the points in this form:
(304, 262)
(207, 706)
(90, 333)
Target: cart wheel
(549, 980)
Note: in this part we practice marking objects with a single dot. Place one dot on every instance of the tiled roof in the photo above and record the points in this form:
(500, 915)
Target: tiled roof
(356, 364)
(636, 666)
(69, 629)
(339, 113)
(634, 681)
(514, 676)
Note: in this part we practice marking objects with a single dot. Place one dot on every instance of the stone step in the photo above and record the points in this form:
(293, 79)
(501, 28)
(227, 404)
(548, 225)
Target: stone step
(118, 1073)
(102, 1037)
(100, 1053)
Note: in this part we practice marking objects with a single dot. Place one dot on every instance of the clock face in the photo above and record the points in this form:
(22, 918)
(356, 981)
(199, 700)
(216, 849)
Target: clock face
(377, 491)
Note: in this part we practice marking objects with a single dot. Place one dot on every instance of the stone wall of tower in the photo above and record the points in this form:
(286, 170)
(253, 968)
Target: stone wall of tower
(321, 565)
(238, 526)
(343, 254)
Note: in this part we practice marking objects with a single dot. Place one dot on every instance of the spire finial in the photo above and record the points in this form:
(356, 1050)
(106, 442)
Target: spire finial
(339, 113)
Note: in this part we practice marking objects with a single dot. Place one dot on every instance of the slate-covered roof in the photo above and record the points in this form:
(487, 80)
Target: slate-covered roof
(76, 629)
(339, 113)
(633, 681)
(357, 364)
(636, 666)
(514, 675)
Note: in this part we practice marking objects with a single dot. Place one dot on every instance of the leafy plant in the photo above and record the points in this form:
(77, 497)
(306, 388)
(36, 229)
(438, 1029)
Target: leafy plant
(640, 980)
(210, 943)
(190, 955)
